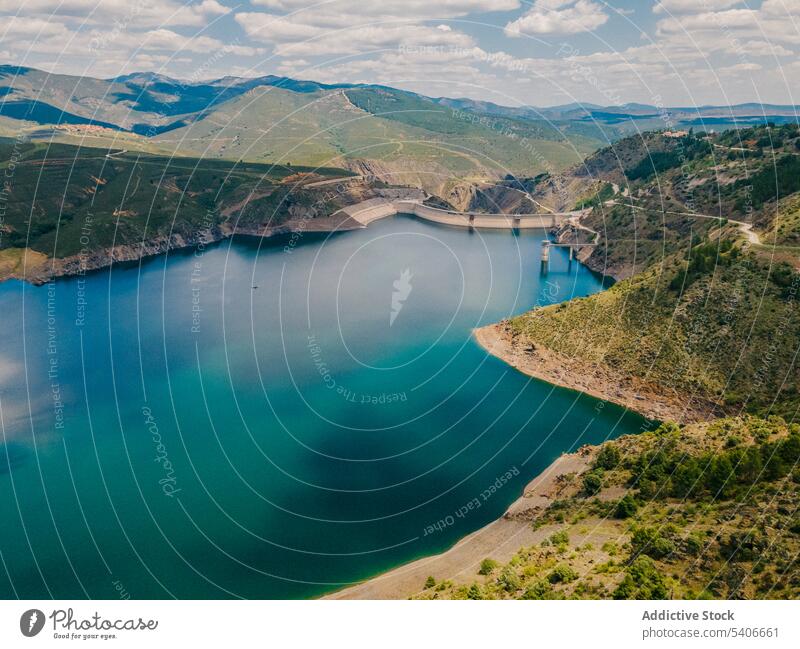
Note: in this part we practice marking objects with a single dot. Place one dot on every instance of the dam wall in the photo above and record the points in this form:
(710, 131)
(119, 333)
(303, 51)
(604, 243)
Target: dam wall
(377, 208)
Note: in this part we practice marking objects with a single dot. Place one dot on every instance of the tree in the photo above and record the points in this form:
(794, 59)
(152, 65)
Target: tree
(720, 476)
(686, 478)
(474, 592)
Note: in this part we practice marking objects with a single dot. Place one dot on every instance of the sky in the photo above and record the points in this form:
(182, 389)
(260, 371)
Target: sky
(538, 53)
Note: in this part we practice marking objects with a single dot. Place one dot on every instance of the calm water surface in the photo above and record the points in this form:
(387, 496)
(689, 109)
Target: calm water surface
(172, 430)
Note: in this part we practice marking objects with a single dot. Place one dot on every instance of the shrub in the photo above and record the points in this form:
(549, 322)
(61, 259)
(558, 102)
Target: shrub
(593, 482)
(642, 580)
(430, 582)
(508, 580)
(541, 589)
(562, 574)
(474, 592)
(487, 566)
(649, 541)
(626, 507)
(560, 538)
(608, 457)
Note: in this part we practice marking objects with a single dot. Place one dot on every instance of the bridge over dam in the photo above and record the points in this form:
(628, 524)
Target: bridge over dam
(378, 208)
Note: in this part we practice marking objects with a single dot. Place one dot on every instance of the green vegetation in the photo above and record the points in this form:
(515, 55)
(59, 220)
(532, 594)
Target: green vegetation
(487, 567)
(773, 181)
(605, 192)
(682, 150)
(669, 179)
(723, 327)
(711, 511)
(64, 200)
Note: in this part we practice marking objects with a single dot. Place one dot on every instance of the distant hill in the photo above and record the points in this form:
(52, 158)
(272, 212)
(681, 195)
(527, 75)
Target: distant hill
(440, 144)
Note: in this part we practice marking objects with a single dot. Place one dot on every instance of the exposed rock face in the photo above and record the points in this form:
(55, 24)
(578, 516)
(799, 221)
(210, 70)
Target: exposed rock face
(461, 196)
(429, 176)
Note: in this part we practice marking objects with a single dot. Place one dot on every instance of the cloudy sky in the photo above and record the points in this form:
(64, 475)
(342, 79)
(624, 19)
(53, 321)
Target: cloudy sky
(540, 52)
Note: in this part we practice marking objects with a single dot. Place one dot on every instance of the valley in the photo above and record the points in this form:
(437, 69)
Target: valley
(696, 219)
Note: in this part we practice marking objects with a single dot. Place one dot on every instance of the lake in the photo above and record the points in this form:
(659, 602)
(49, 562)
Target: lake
(273, 419)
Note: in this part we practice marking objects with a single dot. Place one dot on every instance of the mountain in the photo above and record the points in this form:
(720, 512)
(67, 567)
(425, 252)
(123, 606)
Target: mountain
(395, 135)
(70, 208)
(704, 238)
(444, 145)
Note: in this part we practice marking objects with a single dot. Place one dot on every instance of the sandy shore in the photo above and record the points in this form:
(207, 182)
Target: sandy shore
(599, 381)
(499, 540)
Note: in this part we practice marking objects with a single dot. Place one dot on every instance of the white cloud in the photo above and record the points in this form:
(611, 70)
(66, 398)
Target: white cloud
(295, 36)
(761, 48)
(741, 67)
(559, 17)
(411, 9)
(692, 6)
(141, 13)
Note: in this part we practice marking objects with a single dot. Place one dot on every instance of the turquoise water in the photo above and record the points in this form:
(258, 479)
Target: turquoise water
(170, 430)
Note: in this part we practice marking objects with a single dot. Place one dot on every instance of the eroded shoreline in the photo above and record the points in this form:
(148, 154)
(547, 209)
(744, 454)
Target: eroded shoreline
(498, 540)
(599, 381)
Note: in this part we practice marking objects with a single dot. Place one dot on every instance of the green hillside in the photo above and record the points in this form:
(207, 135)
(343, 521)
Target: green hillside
(708, 511)
(709, 311)
(393, 135)
(398, 136)
(680, 187)
(722, 325)
(57, 194)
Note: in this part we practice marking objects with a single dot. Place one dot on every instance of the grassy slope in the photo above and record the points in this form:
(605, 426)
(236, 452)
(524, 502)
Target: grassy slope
(669, 178)
(326, 127)
(710, 511)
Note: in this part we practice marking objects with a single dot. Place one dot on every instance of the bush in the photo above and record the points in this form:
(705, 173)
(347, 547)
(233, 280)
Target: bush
(609, 457)
(562, 574)
(649, 541)
(474, 592)
(560, 538)
(687, 478)
(626, 507)
(430, 582)
(593, 482)
(508, 580)
(487, 567)
(642, 580)
(541, 589)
